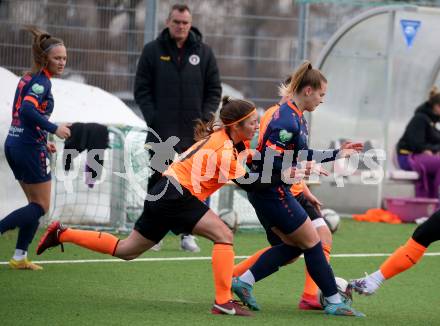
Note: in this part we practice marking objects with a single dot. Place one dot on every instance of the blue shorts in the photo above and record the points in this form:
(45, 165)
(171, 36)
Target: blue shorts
(28, 163)
(277, 207)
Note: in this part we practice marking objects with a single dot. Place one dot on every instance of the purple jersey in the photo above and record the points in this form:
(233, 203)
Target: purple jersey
(287, 130)
(33, 105)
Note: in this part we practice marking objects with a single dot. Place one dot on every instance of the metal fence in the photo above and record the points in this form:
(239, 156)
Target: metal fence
(257, 43)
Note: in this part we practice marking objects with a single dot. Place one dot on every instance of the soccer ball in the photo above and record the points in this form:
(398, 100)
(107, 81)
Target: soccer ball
(343, 290)
(230, 218)
(331, 218)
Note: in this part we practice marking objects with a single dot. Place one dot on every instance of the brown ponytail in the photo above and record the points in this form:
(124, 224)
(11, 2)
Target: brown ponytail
(305, 75)
(232, 110)
(434, 96)
(42, 43)
(204, 129)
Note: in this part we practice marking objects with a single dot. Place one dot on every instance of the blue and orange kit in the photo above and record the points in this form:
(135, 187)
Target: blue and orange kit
(286, 130)
(33, 105)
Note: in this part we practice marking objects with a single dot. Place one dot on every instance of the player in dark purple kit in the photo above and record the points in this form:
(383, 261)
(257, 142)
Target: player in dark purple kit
(286, 136)
(26, 147)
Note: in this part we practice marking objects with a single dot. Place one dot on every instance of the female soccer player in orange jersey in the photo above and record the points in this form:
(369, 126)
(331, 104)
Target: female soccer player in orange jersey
(178, 204)
(403, 258)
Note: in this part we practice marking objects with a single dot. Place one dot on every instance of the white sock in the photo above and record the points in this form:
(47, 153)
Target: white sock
(19, 254)
(377, 277)
(247, 277)
(335, 298)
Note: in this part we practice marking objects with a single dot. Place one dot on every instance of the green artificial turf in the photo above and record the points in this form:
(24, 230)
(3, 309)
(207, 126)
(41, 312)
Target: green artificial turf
(181, 292)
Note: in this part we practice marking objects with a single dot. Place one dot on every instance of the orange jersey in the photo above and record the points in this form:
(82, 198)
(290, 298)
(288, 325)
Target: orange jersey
(296, 188)
(207, 165)
(265, 119)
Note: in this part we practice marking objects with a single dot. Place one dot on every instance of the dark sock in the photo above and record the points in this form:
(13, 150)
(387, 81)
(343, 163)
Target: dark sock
(270, 261)
(26, 218)
(320, 270)
(26, 234)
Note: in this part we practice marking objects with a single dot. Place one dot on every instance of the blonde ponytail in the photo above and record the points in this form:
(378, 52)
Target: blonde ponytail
(304, 75)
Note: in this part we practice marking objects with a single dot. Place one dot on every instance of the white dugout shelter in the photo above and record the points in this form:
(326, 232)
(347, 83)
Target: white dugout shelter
(380, 66)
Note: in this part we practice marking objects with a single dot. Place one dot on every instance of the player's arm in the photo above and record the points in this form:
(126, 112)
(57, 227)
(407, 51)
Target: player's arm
(280, 144)
(236, 172)
(319, 156)
(323, 156)
(292, 174)
(417, 129)
(311, 197)
(258, 184)
(29, 110)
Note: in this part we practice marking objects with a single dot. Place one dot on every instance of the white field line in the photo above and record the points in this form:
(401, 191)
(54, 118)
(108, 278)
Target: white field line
(112, 260)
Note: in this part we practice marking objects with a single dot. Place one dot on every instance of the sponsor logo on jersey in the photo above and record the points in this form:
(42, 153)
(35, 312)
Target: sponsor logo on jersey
(37, 89)
(285, 136)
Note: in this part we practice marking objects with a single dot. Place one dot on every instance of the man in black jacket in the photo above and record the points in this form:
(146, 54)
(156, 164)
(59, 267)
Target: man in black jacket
(177, 82)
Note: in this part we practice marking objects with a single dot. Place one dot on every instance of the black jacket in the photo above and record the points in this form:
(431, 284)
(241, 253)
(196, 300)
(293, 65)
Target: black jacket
(421, 132)
(172, 95)
(87, 136)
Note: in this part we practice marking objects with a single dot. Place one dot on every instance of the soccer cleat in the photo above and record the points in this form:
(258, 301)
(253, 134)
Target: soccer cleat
(230, 308)
(188, 243)
(244, 292)
(24, 264)
(51, 237)
(309, 302)
(365, 285)
(342, 309)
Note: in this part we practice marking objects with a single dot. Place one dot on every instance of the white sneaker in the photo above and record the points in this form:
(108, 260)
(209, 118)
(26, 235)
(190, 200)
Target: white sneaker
(188, 243)
(157, 246)
(365, 285)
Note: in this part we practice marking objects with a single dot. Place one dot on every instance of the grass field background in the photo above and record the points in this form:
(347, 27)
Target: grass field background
(181, 292)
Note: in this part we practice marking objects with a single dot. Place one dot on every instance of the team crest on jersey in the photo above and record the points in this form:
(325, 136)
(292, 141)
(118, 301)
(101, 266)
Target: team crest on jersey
(194, 59)
(37, 89)
(285, 136)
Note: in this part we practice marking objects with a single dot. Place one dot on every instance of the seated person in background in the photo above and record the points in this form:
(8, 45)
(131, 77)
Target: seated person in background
(419, 147)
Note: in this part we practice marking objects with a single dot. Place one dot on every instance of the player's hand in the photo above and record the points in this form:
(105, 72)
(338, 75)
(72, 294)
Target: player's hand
(313, 168)
(63, 130)
(305, 169)
(315, 202)
(51, 148)
(350, 148)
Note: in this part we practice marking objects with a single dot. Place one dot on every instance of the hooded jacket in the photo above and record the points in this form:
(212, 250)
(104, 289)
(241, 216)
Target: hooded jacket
(421, 133)
(173, 94)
